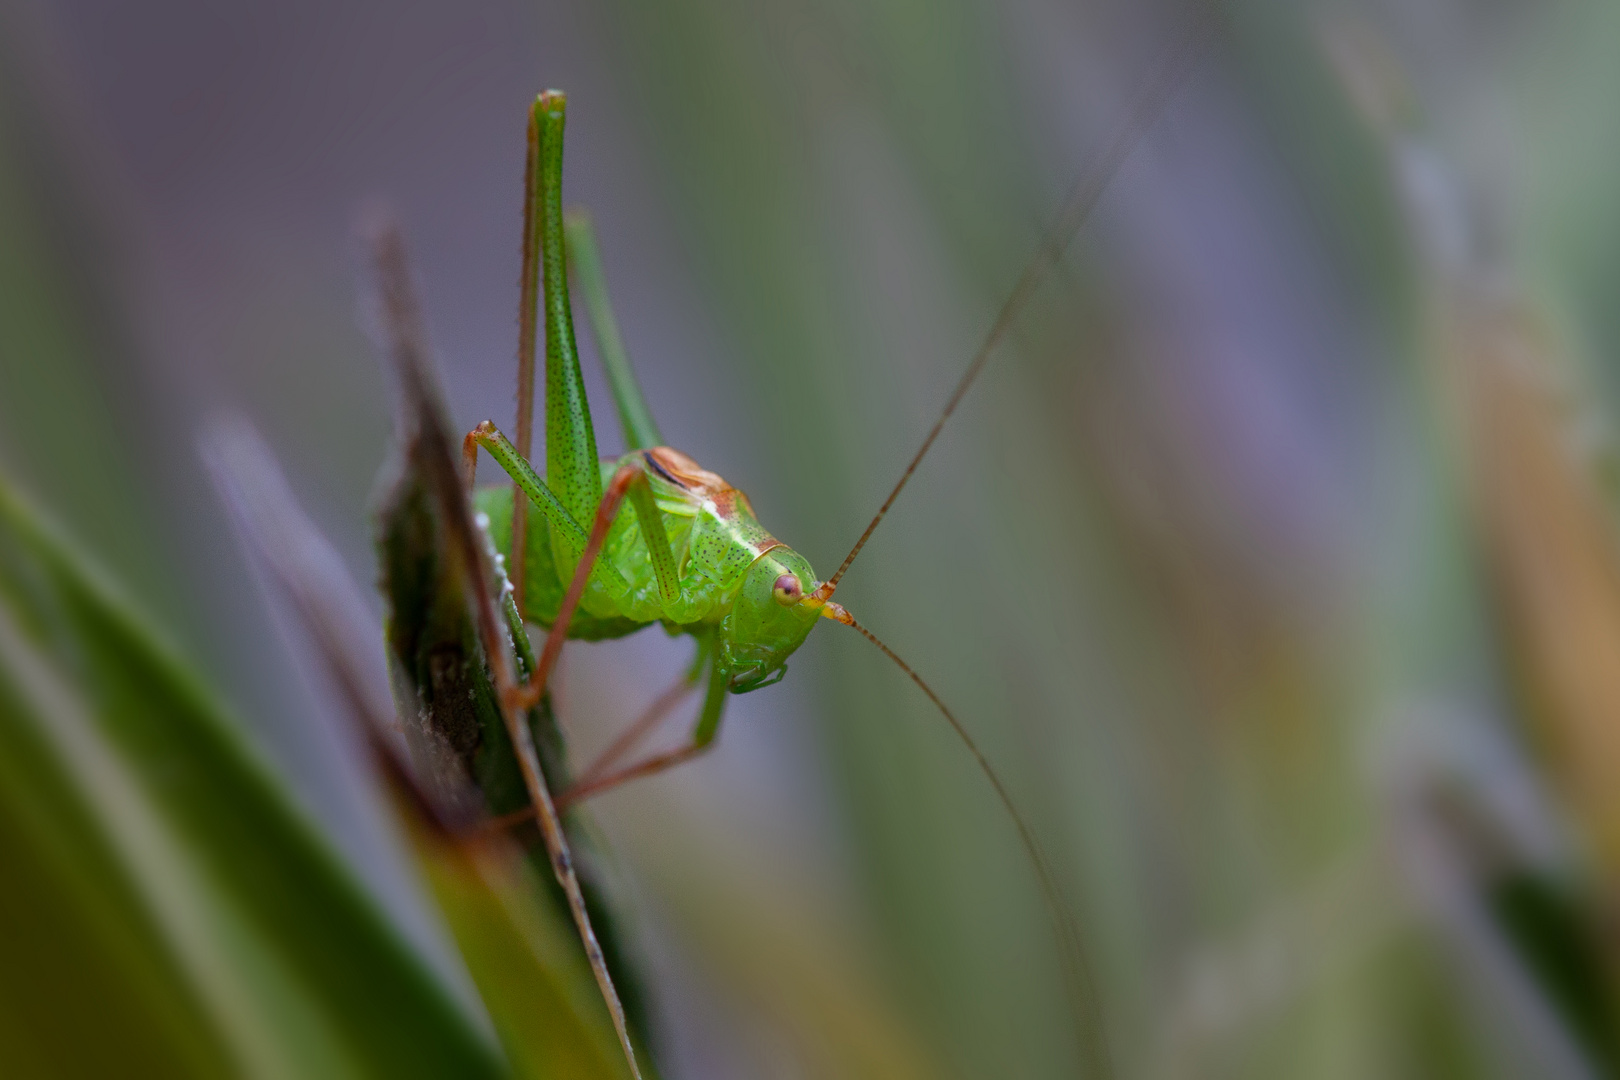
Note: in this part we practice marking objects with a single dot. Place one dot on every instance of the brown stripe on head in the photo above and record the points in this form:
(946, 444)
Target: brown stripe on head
(682, 471)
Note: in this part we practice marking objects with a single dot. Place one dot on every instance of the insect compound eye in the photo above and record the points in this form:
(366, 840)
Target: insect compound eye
(787, 590)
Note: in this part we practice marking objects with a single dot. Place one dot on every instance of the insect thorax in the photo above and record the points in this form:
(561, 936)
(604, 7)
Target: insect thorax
(712, 531)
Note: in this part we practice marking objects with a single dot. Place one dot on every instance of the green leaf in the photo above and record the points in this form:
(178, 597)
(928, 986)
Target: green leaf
(168, 881)
(515, 935)
(524, 956)
(79, 942)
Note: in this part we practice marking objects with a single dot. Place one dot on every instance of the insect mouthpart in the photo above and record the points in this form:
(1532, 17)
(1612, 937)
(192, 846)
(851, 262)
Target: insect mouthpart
(750, 679)
(837, 613)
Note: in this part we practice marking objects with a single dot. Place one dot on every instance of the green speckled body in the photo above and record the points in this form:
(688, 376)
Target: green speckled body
(718, 544)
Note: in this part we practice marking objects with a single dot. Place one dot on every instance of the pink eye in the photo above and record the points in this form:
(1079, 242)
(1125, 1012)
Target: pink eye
(787, 590)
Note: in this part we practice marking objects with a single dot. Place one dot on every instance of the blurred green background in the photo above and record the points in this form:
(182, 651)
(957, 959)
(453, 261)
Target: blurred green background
(1271, 561)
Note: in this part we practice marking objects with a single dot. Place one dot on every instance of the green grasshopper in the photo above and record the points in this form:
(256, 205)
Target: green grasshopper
(691, 554)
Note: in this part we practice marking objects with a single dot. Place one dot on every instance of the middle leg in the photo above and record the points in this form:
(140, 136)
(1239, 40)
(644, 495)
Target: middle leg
(593, 782)
(633, 735)
(703, 736)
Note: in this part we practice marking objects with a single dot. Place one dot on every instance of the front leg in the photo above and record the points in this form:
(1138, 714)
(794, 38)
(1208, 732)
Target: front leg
(529, 482)
(628, 480)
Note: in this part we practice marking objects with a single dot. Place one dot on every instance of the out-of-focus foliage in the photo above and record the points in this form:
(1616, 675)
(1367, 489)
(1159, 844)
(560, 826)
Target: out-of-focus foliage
(158, 871)
(161, 882)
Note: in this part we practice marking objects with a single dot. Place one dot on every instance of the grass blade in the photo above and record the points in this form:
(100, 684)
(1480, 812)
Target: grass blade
(296, 970)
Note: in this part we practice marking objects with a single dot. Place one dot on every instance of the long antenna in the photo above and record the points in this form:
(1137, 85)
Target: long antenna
(1076, 971)
(1178, 61)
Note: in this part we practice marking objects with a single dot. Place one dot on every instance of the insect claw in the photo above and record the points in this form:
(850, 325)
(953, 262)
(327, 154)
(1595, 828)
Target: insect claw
(469, 455)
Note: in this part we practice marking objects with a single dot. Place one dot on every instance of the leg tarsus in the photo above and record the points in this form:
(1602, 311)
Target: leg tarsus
(469, 455)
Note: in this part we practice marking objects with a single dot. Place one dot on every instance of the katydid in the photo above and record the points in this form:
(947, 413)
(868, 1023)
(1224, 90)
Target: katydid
(688, 552)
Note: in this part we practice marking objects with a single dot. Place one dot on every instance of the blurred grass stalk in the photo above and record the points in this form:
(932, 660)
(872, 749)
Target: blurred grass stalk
(165, 883)
(1509, 401)
(137, 808)
(1193, 718)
